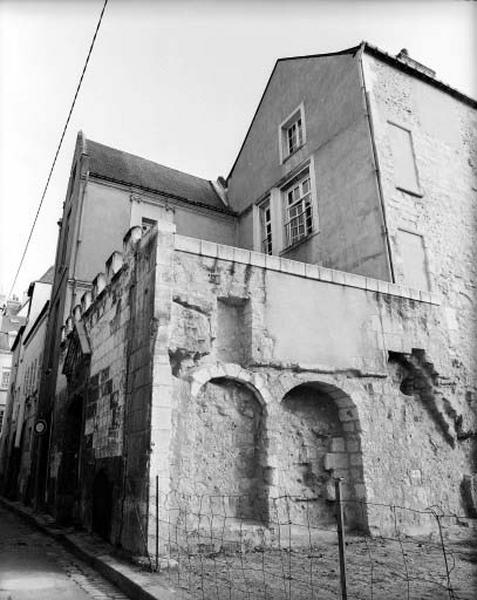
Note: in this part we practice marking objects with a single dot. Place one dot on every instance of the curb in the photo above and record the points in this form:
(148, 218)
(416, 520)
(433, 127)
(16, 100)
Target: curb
(129, 579)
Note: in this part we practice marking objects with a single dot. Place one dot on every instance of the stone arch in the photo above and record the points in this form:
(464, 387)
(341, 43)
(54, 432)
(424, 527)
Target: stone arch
(253, 381)
(321, 440)
(229, 417)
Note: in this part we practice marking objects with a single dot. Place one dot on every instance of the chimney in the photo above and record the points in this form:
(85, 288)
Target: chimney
(404, 57)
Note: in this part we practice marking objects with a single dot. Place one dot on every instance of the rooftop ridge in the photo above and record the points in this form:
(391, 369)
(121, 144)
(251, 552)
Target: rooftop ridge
(113, 164)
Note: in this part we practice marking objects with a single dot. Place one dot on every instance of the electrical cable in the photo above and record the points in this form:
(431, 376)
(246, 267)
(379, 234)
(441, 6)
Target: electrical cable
(45, 189)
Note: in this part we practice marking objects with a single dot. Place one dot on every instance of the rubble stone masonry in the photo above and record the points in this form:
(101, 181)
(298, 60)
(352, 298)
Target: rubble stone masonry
(238, 379)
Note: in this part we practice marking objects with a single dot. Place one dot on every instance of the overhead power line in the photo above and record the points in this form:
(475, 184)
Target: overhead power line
(60, 143)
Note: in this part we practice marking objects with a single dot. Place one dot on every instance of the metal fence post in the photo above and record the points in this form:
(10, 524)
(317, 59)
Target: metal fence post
(157, 522)
(341, 539)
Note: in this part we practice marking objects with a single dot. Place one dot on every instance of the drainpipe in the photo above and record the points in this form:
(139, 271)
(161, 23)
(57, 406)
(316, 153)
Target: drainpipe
(81, 195)
(367, 106)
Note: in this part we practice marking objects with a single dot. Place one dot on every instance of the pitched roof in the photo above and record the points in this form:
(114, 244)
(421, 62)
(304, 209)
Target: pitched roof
(397, 62)
(121, 167)
(48, 276)
(400, 63)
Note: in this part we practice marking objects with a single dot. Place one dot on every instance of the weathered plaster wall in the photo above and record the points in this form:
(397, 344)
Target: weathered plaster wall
(348, 226)
(102, 204)
(349, 221)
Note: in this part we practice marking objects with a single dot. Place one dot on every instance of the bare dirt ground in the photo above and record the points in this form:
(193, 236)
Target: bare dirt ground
(388, 569)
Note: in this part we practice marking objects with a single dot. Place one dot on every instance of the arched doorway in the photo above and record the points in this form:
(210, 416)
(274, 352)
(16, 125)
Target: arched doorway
(102, 505)
(321, 441)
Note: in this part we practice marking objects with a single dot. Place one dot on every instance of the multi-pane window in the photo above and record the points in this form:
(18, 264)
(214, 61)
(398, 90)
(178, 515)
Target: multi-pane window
(5, 378)
(294, 135)
(298, 209)
(266, 227)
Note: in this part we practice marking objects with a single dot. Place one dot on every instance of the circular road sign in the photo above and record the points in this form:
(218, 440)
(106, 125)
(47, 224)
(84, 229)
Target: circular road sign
(40, 426)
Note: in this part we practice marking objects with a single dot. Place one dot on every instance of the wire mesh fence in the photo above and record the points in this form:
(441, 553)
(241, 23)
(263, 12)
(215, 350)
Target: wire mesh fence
(213, 547)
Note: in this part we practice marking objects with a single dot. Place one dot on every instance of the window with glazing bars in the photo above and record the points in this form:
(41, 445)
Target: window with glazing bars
(266, 227)
(294, 134)
(298, 210)
(5, 378)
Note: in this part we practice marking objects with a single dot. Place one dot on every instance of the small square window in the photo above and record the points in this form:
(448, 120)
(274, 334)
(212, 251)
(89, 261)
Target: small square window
(292, 133)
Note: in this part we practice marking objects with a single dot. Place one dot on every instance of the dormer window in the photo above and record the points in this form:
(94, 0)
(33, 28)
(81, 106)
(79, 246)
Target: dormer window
(292, 133)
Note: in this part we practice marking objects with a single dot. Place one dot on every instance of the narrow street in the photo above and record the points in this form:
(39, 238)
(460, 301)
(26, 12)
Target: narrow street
(33, 565)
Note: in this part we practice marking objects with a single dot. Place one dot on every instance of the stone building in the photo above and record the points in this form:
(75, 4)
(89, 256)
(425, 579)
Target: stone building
(250, 340)
(108, 192)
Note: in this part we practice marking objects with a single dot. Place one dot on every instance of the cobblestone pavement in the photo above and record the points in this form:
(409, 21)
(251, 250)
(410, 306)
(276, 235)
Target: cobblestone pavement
(33, 565)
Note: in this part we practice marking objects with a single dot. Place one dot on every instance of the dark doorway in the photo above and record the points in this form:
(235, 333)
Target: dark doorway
(102, 505)
(68, 488)
(73, 442)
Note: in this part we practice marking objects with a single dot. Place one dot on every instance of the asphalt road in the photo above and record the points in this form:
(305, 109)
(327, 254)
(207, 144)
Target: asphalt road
(35, 566)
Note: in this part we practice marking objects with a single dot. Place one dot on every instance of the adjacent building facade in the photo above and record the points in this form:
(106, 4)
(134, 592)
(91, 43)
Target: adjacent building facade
(250, 340)
(17, 461)
(11, 319)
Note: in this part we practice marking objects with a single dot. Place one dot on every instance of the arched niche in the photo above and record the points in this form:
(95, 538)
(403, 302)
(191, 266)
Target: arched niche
(320, 441)
(226, 453)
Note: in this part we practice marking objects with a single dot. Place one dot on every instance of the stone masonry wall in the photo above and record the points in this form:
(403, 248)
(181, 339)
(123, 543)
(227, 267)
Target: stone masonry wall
(117, 319)
(444, 213)
(391, 444)
(244, 398)
(444, 140)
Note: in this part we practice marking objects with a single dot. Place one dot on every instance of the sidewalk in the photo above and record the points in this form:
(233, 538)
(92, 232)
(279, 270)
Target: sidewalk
(131, 580)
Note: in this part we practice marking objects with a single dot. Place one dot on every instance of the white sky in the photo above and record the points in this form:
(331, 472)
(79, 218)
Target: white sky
(175, 82)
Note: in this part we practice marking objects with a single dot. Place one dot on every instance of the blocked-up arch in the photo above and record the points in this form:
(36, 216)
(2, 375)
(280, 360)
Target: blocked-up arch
(321, 440)
(228, 415)
(251, 380)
